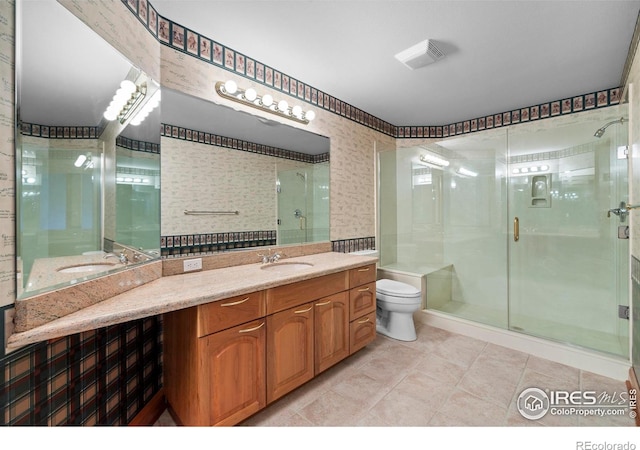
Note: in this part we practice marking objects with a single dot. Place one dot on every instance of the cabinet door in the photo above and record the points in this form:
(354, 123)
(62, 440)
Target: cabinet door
(289, 350)
(331, 330)
(233, 369)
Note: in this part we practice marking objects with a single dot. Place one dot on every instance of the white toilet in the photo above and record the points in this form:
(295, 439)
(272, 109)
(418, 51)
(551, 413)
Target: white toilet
(396, 303)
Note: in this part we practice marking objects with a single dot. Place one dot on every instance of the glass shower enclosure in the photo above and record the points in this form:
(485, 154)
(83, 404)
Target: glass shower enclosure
(517, 227)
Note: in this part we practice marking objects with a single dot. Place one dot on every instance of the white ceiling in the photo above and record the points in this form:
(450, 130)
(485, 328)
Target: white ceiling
(500, 55)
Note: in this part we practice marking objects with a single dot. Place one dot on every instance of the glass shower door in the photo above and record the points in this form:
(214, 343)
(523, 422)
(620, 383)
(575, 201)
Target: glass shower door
(568, 269)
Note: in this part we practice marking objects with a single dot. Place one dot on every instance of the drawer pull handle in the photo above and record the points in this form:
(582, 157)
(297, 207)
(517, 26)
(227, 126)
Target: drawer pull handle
(303, 310)
(324, 303)
(364, 321)
(364, 270)
(252, 329)
(236, 303)
(363, 290)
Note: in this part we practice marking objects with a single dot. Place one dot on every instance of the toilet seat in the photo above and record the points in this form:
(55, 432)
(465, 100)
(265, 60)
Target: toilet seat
(396, 289)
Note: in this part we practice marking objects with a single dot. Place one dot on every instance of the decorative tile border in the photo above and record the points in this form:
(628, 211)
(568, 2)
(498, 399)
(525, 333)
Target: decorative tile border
(353, 245)
(187, 134)
(137, 146)
(579, 103)
(56, 132)
(209, 243)
(99, 377)
(198, 46)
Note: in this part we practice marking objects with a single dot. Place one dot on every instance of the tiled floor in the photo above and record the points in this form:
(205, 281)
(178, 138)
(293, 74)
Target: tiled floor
(441, 379)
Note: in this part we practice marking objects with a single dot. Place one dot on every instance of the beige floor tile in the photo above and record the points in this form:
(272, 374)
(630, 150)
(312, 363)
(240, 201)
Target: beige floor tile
(440, 369)
(492, 379)
(553, 369)
(464, 409)
(333, 409)
(461, 350)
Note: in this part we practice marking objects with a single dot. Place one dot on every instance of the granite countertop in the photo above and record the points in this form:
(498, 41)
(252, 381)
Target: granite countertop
(171, 293)
(45, 272)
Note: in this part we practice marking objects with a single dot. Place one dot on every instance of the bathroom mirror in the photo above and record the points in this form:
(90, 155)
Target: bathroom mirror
(232, 180)
(65, 152)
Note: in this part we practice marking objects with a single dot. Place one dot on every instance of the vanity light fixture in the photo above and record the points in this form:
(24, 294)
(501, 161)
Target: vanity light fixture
(434, 160)
(153, 102)
(266, 102)
(125, 101)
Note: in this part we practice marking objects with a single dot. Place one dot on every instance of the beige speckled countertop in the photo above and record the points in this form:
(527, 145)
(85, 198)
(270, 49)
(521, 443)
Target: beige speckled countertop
(175, 292)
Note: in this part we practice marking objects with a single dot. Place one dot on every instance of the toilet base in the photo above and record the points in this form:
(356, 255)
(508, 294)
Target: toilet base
(395, 325)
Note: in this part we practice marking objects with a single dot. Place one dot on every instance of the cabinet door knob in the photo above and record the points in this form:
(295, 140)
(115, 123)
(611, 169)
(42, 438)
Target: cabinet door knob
(364, 321)
(363, 270)
(236, 303)
(324, 303)
(363, 290)
(303, 310)
(248, 330)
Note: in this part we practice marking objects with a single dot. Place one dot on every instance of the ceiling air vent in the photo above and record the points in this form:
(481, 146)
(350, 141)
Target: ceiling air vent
(420, 55)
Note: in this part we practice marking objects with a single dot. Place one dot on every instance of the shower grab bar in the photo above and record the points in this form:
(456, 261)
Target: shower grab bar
(516, 229)
(202, 213)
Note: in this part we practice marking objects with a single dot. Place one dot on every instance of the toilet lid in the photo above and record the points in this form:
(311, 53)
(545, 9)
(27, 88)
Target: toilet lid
(396, 288)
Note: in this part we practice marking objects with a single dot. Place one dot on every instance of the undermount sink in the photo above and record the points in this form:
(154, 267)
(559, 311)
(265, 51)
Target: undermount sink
(286, 266)
(92, 267)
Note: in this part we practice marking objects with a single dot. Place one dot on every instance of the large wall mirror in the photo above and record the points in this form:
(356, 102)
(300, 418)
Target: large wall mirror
(232, 180)
(71, 211)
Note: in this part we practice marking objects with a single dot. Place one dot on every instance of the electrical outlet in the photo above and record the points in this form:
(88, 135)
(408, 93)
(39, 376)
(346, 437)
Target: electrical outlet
(192, 264)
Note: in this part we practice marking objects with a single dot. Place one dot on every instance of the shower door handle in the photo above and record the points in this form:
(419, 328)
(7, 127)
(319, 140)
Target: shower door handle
(516, 229)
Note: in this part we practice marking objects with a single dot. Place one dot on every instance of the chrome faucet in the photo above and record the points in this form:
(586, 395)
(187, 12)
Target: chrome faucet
(122, 257)
(270, 258)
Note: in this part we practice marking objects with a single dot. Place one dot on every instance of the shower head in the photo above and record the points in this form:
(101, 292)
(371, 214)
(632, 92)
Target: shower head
(600, 131)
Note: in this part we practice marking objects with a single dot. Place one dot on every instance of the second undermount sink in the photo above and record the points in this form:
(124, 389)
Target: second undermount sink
(286, 266)
(91, 267)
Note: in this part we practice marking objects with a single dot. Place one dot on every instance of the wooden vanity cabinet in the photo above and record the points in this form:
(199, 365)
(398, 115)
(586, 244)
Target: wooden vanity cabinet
(362, 307)
(226, 360)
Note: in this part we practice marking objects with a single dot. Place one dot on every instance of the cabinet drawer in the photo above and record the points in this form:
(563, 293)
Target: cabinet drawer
(362, 275)
(222, 314)
(362, 300)
(294, 294)
(362, 331)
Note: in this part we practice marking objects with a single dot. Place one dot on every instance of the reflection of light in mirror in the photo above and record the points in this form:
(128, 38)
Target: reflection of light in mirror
(467, 172)
(80, 160)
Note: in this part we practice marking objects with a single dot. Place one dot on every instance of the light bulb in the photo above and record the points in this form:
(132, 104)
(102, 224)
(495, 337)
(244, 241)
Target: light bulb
(230, 86)
(283, 105)
(128, 86)
(297, 111)
(110, 114)
(250, 94)
(310, 115)
(267, 100)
